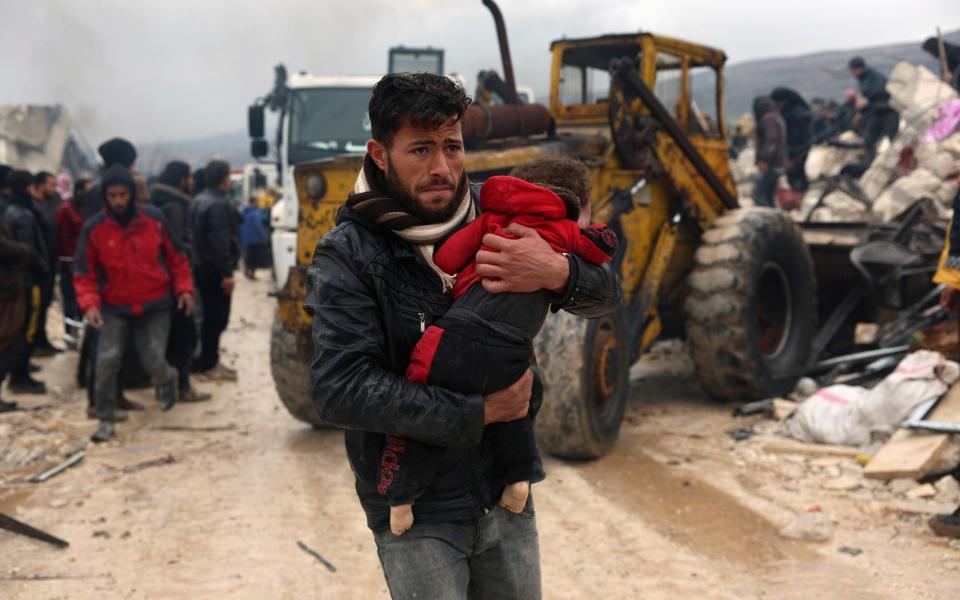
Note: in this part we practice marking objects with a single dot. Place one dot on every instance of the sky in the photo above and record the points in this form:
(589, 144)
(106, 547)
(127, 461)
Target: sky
(166, 70)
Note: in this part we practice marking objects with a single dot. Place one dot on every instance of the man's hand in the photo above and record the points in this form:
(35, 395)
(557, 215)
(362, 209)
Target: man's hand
(93, 318)
(509, 404)
(526, 264)
(227, 284)
(185, 303)
(949, 300)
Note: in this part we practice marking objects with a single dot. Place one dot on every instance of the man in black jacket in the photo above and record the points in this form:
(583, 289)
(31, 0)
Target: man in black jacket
(216, 254)
(879, 118)
(771, 154)
(171, 195)
(798, 118)
(372, 290)
(46, 200)
(24, 223)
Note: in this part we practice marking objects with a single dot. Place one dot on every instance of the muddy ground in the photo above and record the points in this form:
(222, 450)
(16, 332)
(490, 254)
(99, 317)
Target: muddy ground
(210, 500)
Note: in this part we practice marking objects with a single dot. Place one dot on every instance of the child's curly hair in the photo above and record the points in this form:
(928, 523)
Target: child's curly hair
(560, 175)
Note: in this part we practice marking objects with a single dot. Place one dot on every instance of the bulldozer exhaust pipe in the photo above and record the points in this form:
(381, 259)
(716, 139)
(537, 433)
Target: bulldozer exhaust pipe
(511, 90)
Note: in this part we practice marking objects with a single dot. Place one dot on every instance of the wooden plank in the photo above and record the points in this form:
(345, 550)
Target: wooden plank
(948, 409)
(786, 446)
(907, 454)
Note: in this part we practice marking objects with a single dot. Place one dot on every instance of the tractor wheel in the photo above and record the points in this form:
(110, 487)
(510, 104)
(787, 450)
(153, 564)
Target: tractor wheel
(585, 372)
(751, 312)
(290, 365)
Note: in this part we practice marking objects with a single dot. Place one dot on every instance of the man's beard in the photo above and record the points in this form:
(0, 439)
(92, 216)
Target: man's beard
(396, 190)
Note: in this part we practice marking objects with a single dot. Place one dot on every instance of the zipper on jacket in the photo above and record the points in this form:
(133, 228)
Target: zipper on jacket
(423, 321)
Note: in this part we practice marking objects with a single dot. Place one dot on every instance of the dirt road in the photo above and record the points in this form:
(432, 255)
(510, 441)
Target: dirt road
(210, 500)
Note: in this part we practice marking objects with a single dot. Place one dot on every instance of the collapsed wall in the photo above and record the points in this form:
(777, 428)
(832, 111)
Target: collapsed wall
(43, 138)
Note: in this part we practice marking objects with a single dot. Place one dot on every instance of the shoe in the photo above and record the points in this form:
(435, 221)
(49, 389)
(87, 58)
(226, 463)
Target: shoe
(946, 525)
(192, 395)
(222, 371)
(7, 406)
(249, 274)
(118, 415)
(105, 432)
(167, 395)
(34, 368)
(27, 385)
(125, 403)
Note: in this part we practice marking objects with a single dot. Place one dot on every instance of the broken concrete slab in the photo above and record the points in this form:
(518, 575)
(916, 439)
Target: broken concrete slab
(948, 489)
(904, 192)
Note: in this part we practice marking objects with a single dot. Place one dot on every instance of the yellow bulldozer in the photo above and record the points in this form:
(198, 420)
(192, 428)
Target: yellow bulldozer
(645, 114)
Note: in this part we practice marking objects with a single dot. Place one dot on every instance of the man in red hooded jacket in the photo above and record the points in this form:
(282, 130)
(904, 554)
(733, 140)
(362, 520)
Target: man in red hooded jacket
(128, 273)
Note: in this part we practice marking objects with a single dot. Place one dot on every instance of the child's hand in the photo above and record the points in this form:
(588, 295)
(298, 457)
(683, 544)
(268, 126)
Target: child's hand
(526, 264)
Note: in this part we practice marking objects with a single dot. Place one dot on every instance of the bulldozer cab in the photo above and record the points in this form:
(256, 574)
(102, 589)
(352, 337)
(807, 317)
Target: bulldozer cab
(588, 91)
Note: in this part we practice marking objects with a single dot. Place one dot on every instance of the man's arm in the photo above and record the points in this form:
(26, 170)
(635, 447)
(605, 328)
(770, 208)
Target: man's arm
(351, 387)
(529, 264)
(12, 252)
(85, 273)
(220, 238)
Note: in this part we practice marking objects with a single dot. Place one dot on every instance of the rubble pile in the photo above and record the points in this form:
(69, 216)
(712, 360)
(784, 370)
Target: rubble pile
(922, 162)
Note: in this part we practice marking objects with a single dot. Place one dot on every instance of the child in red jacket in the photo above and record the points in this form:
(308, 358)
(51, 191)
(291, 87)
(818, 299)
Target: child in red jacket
(484, 343)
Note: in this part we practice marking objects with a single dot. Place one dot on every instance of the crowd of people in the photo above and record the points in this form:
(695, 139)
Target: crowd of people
(133, 263)
(787, 126)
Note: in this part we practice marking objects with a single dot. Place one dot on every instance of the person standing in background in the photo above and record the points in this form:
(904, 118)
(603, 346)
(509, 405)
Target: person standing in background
(797, 116)
(771, 150)
(216, 254)
(69, 223)
(879, 119)
(254, 237)
(171, 195)
(13, 257)
(24, 223)
(47, 201)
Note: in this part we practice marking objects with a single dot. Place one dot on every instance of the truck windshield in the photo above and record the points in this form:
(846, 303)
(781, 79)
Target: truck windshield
(328, 121)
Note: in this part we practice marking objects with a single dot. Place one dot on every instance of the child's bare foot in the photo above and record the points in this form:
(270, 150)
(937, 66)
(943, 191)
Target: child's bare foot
(401, 518)
(514, 496)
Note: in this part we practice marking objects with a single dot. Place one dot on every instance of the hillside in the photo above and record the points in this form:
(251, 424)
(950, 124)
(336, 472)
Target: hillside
(823, 74)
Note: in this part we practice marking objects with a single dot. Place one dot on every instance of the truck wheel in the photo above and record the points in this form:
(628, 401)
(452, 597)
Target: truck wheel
(751, 312)
(290, 366)
(585, 377)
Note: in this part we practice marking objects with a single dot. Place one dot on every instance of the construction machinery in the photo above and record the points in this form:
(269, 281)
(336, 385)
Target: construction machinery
(737, 282)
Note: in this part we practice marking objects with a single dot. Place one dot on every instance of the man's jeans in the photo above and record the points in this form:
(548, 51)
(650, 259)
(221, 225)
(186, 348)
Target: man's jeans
(496, 556)
(149, 334)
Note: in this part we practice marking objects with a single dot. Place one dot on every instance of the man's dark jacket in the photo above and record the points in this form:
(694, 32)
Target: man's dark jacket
(371, 296)
(24, 223)
(216, 233)
(175, 205)
(873, 87)
(13, 256)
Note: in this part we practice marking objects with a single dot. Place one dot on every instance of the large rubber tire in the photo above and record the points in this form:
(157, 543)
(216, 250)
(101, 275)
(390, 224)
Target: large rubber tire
(290, 366)
(585, 369)
(751, 312)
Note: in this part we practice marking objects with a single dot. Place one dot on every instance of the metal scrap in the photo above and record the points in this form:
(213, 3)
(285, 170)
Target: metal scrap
(59, 468)
(10, 524)
(317, 556)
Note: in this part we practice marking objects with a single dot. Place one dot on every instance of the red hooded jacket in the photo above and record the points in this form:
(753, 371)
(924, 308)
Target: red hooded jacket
(505, 200)
(130, 269)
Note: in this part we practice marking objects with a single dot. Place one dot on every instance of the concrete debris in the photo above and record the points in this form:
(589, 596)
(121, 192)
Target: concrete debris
(901, 486)
(948, 489)
(922, 491)
(904, 192)
(844, 483)
(811, 526)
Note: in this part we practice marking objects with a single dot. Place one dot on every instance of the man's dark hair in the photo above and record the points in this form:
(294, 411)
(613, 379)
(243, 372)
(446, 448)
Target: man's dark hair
(199, 180)
(117, 151)
(215, 172)
(19, 182)
(78, 186)
(5, 170)
(566, 177)
(41, 177)
(420, 99)
(857, 62)
(174, 172)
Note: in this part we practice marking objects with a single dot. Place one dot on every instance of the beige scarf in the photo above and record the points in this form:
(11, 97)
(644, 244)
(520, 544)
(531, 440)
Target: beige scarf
(422, 237)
